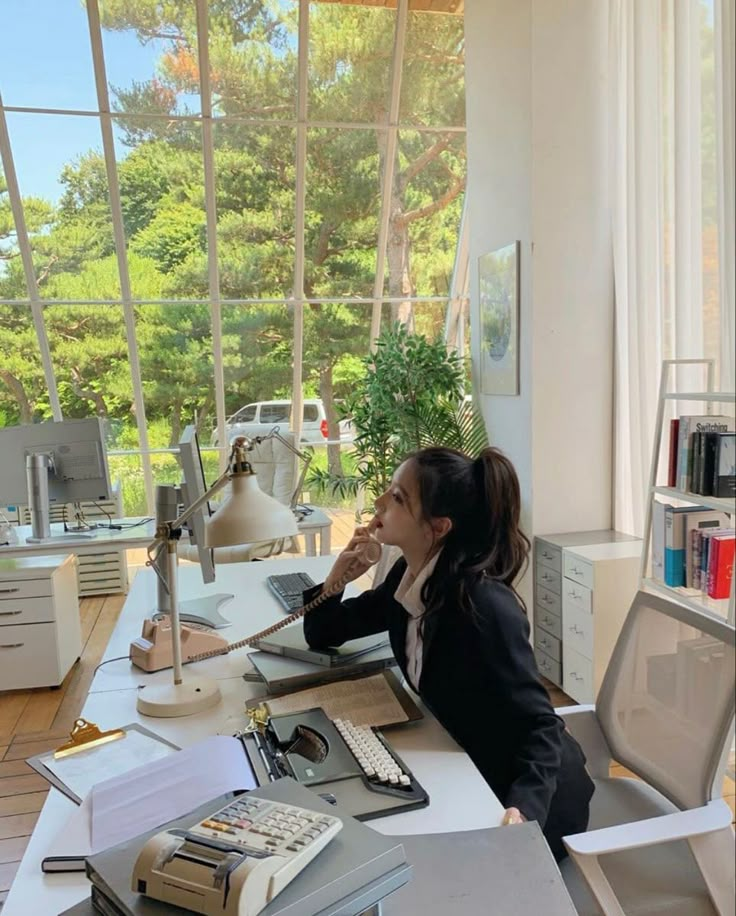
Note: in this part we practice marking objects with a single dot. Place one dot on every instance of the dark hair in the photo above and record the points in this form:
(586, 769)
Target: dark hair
(482, 499)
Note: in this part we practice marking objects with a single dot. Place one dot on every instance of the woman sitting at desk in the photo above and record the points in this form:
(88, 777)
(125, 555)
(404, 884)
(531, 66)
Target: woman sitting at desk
(459, 630)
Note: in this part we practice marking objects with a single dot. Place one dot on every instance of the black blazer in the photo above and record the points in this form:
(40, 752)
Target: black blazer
(480, 680)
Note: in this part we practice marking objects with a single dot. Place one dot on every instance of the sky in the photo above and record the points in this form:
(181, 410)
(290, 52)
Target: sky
(46, 62)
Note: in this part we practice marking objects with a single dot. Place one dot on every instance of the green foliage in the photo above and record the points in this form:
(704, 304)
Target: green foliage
(253, 66)
(410, 397)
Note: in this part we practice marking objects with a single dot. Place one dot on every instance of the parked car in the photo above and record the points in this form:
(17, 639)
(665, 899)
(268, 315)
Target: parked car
(259, 418)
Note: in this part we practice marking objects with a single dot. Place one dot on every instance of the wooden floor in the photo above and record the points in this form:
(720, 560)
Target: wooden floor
(33, 721)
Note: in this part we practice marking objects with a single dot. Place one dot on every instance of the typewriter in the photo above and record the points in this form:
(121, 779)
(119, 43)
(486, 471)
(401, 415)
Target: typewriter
(352, 766)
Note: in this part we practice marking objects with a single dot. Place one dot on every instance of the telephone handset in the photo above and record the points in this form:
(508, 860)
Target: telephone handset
(370, 553)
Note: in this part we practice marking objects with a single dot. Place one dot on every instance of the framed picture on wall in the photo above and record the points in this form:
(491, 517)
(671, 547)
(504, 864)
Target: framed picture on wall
(499, 319)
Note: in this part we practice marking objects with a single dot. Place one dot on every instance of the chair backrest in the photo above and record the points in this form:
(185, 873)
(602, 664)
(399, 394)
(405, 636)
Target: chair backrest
(276, 467)
(666, 705)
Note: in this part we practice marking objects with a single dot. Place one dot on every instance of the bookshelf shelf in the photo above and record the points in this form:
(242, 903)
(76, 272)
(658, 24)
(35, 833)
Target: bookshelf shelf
(723, 396)
(693, 598)
(690, 597)
(710, 502)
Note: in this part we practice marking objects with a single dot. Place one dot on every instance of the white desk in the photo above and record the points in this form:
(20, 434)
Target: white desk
(102, 539)
(460, 797)
(318, 522)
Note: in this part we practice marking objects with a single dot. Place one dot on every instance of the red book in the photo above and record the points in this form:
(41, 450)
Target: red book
(720, 566)
(672, 465)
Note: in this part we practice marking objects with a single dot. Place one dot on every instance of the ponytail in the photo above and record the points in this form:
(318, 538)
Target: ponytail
(482, 499)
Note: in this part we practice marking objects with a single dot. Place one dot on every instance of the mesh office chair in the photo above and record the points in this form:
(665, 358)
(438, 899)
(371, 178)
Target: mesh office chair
(276, 468)
(665, 711)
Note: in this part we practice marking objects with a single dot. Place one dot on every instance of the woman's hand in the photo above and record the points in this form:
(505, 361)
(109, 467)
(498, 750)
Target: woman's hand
(350, 564)
(512, 816)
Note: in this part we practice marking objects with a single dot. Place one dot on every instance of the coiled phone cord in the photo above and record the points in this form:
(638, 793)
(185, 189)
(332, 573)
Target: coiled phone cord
(371, 555)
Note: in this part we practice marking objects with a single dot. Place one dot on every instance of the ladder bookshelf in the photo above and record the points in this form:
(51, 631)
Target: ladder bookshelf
(718, 607)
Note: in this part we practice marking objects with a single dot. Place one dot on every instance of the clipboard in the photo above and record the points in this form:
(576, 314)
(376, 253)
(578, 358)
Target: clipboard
(89, 756)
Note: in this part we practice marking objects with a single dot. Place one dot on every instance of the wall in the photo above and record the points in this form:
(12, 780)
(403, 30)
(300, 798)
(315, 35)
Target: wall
(536, 118)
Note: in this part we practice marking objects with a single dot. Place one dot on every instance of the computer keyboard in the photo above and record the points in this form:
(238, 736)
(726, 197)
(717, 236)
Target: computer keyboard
(289, 588)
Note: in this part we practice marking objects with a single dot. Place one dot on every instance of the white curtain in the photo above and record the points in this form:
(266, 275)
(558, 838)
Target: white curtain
(725, 59)
(655, 65)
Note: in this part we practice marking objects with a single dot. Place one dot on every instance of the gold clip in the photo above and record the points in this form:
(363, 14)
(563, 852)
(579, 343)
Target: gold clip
(84, 736)
(258, 717)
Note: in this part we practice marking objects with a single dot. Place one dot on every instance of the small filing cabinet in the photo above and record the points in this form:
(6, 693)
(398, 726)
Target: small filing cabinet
(584, 583)
(40, 632)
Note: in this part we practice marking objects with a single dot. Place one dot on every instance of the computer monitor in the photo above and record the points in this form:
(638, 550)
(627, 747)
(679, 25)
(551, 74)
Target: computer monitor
(76, 467)
(202, 610)
(193, 487)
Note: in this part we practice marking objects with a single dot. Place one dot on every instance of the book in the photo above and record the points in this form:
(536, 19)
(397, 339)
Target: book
(672, 457)
(720, 565)
(674, 544)
(708, 463)
(706, 536)
(697, 460)
(281, 674)
(658, 538)
(695, 521)
(724, 466)
(291, 642)
(687, 427)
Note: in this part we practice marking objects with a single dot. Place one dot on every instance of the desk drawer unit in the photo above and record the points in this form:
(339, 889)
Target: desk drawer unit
(584, 583)
(104, 573)
(40, 633)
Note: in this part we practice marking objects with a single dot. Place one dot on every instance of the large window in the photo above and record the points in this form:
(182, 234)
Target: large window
(212, 181)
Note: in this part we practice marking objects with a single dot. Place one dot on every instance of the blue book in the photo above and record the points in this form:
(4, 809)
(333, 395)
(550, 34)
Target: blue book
(675, 543)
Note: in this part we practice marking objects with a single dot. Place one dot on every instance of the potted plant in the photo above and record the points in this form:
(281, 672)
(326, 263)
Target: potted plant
(410, 396)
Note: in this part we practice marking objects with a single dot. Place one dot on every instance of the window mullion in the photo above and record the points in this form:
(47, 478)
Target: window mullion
(108, 146)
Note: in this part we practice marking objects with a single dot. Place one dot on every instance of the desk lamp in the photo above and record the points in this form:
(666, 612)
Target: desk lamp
(246, 515)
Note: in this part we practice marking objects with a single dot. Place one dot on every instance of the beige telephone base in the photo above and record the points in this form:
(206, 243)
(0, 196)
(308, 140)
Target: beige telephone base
(152, 650)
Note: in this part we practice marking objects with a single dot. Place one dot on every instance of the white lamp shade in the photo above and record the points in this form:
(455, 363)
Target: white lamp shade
(248, 515)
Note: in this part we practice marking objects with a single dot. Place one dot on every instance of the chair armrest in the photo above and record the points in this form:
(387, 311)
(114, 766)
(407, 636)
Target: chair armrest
(583, 725)
(681, 825)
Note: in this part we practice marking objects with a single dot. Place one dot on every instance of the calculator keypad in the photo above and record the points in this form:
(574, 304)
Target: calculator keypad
(256, 824)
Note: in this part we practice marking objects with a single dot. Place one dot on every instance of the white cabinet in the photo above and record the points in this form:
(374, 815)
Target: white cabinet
(40, 633)
(584, 583)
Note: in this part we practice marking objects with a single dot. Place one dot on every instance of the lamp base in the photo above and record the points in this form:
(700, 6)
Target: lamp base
(172, 700)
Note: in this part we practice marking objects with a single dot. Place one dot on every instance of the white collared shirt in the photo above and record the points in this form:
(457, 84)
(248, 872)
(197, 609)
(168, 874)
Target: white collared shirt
(409, 595)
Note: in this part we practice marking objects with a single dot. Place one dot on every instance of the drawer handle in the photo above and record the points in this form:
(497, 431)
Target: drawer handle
(9, 613)
(547, 556)
(12, 645)
(574, 595)
(577, 572)
(547, 599)
(574, 629)
(9, 591)
(576, 676)
(548, 619)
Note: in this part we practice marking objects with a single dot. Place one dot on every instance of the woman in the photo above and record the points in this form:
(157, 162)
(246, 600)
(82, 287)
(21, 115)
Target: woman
(459, 631)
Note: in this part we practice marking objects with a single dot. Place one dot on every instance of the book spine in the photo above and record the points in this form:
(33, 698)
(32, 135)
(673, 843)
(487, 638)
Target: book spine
(697, 461)
(724, 473)
(710, 463)
(672, 457)
(674, 549)
(697, 556)
(713, 553)
(658, 540)
(719, 586)
(682, 452)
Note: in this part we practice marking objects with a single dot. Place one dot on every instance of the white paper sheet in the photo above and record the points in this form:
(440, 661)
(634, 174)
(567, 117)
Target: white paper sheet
(80, 771)
(119, 809)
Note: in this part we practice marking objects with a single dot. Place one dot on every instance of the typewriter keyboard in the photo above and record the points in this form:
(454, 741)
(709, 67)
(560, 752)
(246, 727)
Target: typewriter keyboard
(374, 758)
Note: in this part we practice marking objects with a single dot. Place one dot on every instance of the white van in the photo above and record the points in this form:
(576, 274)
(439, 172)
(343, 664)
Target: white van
(259, 418)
